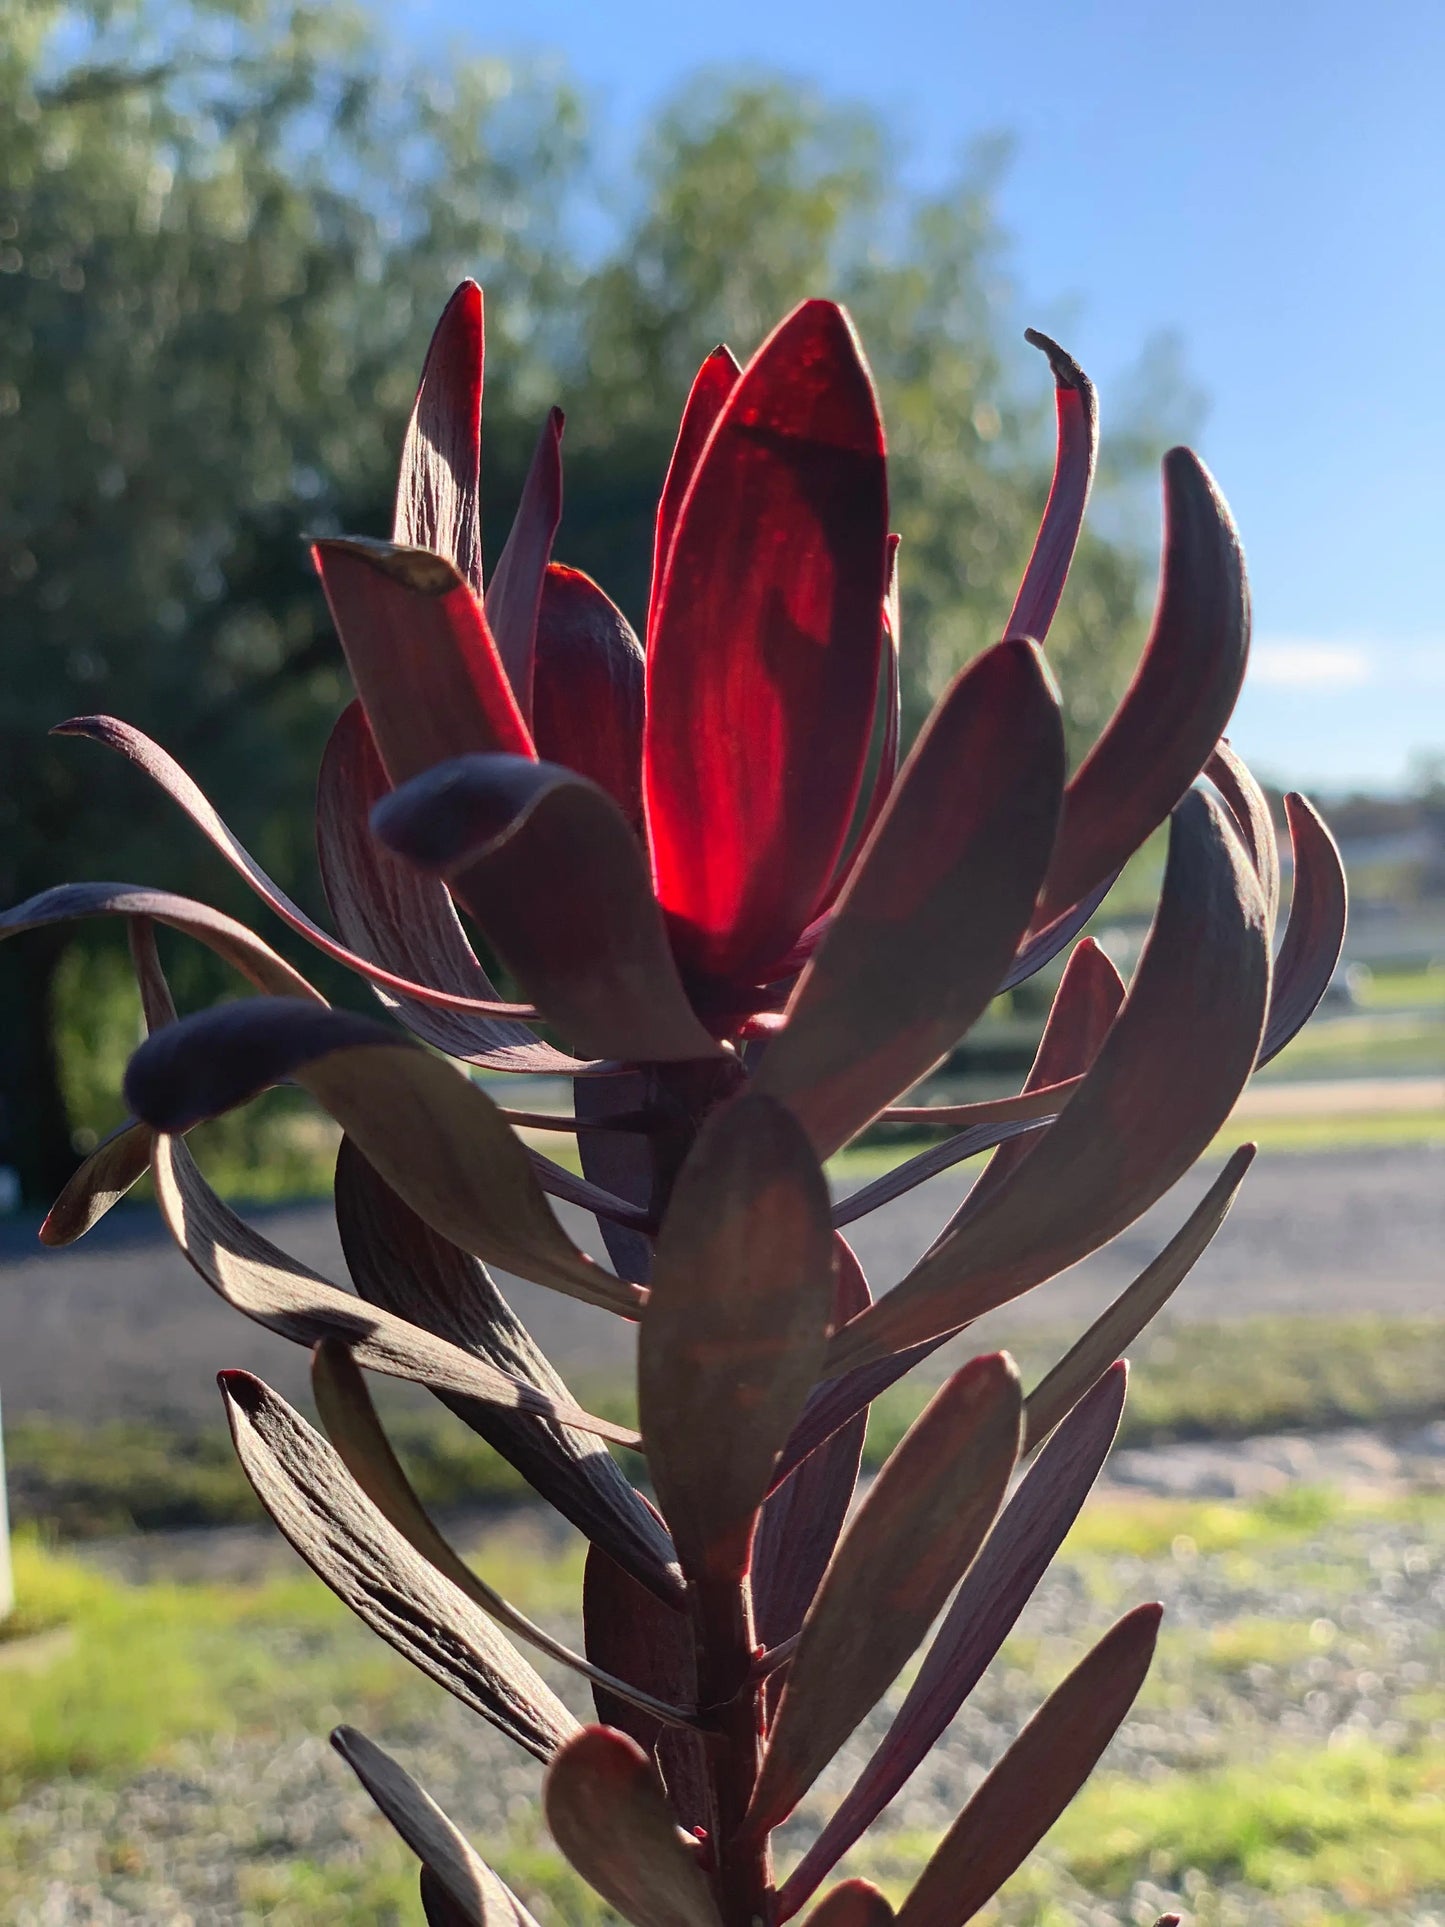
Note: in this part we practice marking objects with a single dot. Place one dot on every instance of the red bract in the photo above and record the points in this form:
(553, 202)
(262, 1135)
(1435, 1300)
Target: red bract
(741, 961)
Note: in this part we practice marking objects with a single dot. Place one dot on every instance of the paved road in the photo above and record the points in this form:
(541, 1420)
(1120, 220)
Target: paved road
(120, 1325)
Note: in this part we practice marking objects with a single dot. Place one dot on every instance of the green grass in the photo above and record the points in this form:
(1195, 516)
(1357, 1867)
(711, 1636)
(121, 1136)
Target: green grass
(1364, 1044)
(1420, 988)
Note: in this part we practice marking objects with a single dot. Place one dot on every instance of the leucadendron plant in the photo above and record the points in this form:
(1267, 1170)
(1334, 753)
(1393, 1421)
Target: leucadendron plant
(743, 932)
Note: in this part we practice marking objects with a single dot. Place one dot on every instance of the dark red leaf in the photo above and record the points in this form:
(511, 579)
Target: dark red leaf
(429, 1131)
(546, 863)
(629, 1633)
(1176, 708)
(1315, 933)
(588, 688)
(1078, 447)
(367, 1563)
(514, 593)
(714, 382)
(1045, 944)
(1000, 1583)
(438, 490)
(607, 1811)
(935, 905)
(1249, 807)
(117, 1162)
(164, 771)
(1036, 1779)
(421, 655)
(1169, 1073)
(620, 1161)
(1116, 1328)
(742, 1292)
(910, 1542)
(800, 1523)
(923, 1165)
(389, 911)
(763, 660)
(852, 1903)
(398, 1262)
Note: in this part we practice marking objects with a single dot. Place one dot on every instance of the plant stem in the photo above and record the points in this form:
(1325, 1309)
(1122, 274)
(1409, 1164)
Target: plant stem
(727, 1682)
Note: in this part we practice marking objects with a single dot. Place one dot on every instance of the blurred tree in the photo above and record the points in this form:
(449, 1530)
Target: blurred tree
(226, 227)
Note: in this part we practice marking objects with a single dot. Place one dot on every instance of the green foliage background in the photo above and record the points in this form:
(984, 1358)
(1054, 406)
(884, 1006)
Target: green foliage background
(226, 230)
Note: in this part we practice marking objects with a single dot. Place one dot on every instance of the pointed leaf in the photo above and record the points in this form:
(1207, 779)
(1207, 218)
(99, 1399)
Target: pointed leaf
(1167, 1077)
(936, 903)
(923, 1165)
(1249, 807)
(763, 661)
(1045, 944)
(588, 688)
(420, 653)
(278, 1291)
(371, 1568)
(910, 1542)
(514, 594)
(1115, 1329)
(116, 1164)
(852, 1903)
(436, 1139)
(1036, 1779)
(346, 1411)
(607, 1811)
(479, 1897)
(630, 1634)
(547, 865)
(1015, 1556)
(712, 385)
(1315, 933)
(802, 1518)
(438, 490)
(389, 911)
(257, 962)
(1078, 447)
(164, 771)
(1176, 708)
(398, 1262)
(742, 1292)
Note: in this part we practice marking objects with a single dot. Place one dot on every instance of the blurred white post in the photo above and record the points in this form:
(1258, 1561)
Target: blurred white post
(7, 1574)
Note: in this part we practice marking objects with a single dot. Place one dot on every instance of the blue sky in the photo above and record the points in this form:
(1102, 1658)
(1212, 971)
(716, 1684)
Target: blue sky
(1265, 179)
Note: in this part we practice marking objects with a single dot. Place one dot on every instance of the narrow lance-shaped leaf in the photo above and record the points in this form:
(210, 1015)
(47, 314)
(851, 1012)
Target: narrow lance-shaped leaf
(923, 1165)
(351, 1423)
(607, 1811)
(1315, 933)
(421, 655)
(908, 1545)
(742, 1292)
(398, 1262)
(1036, 1779)
(935, 905)
(1166, 1079)
(1015, 1556)
(1078, 447)
(1176, 708)
(1116, 1328)
(480, 1898)
(1249, 807)
(168, 775)
(712, 385)
(514, 594)
(763, 659)
(404, 920)
(438, 488)
(546, 863)
(260, 1280)
(588, 688)
(622, 1161)
(369, 1566)
(434, 1137)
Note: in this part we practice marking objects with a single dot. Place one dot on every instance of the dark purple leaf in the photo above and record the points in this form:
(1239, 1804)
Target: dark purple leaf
(1036, 1779)
(588, 688)
(852, 1903)
(620, 1161)
(910, 1542)
(1171, 1068)
(935, 905)
(1078, 447)
(514, 594)
(558, 883)
(1001, 1581)
(714, 382)
(1041, 948)
(438, 489)
(763, 656)
(742, 1292)
(916, 1170)
(1249, 807)
(1315, 933)
(117, 1162)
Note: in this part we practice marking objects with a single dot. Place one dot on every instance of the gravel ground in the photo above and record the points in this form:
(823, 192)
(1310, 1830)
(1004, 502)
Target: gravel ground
(119, 1325)
(187, 1842)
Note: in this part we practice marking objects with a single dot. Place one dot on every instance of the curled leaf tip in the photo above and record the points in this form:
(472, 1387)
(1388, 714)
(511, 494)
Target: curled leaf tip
(1066, 371)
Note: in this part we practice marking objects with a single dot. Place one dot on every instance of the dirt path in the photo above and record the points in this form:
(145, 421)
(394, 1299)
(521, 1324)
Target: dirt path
(120, 1325)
